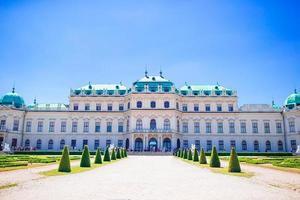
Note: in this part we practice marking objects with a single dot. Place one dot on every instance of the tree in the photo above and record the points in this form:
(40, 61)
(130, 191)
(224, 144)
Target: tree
(106, 155)
(190, 155)
(64, 164)
(234, 164)
(196, 156)
(118, 154)
(214, 158)
(185, 155)
(113, 154)
(85, 158)
(202, 157)
(98, 157)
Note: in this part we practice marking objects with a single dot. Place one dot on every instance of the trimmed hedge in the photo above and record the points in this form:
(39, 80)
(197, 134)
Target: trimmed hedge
(85, 158)
(118, 154)
(106, 155)
(185, 154)
(214, 158)
(51, 153)
(125, 153)
(64, 164)
(113, 155)
(190, 155)
(196, 156)
(202, 157)
(234, 164)
(98, 158)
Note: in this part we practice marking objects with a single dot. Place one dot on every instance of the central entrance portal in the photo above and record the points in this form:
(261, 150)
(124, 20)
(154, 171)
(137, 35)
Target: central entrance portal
(152, 144)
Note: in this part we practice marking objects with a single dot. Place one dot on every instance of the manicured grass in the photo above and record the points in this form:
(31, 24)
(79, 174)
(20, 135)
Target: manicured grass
(75, 169)
(8, 186)
(220, 170)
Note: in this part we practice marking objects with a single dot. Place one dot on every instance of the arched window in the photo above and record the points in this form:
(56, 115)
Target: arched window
(167, 125)
(152, 104)
(268, 145)
(62, 144)
(280, 145)
(39, 144)
(166, 104)
(153, 124)
(128, 105)
(27, 143)
(256, 145)
(139, 124)
(139, 104)
(50, 144)
(244, 145)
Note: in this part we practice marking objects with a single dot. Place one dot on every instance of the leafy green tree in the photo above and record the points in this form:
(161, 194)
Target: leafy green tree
(185, 155)
(106, 155)
(113, 154)
(85, 158)
(118, 154)
(64, 164)
(202, 157)
(98, 157)
(196, 156)
(190, 155)
(234, 163)
(214, 158)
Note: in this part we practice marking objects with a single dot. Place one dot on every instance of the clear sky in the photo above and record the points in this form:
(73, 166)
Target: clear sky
(48, 47)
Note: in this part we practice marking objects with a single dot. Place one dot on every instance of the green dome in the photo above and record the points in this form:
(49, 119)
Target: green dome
(13, 98)
(292, 100)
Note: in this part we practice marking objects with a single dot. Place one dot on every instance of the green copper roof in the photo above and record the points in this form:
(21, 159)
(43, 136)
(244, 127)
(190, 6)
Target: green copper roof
(153, 79)
(206, 90)
(203, 87)
(13, 98)
(293, 99)
(47, 106)
(103, 87)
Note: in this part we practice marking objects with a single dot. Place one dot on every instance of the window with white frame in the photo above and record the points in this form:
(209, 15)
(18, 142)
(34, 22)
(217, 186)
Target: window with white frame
(167, 125)
(51, 126)
(231, 127)
(197, 144)
(185, 144)
(220, 127)
(196, 107)
(63, 126)
(267, 127)
(121, 107)
(208, 127)
(197, 127)
(86, 127)
(109, 127)
(109, 107)
(293, 145)
(74, 127)
(184, 108)
(278, 127)
(221, 145)
(185, 127)
(16, 125)
(244, 145)
(87, 107)
(2, 124)
(28, 126)
(120, 143)
(243, 127)
(120, 127)
(40, 126)
(75, 106)
(208, 145)
(98, 107)
(207, 107)
(232, 144)
(139, 124)
(96, 144)
(97, 127)
(254, 127)
(292, 126)
(230, 108)
(219, 107)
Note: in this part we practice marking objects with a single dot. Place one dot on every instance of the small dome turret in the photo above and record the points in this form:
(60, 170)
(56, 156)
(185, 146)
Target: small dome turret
(12, 99)
(292, 100)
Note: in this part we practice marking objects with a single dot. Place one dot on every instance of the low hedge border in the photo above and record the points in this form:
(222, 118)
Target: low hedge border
(52, 152)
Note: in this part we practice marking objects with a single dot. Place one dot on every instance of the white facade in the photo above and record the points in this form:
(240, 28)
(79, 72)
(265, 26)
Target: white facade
(99, 115)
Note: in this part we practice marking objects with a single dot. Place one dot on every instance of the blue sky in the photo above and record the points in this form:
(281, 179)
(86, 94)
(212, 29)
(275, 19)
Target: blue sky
(48, 47)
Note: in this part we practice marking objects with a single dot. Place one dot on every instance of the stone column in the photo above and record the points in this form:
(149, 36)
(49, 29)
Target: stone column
(132, 142)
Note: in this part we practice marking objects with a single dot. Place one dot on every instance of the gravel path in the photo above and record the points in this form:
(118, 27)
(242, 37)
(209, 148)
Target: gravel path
(147, 177)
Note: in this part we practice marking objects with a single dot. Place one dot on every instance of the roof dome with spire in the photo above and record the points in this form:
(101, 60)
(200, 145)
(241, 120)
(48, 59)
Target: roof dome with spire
(12, 98)
(292, 100)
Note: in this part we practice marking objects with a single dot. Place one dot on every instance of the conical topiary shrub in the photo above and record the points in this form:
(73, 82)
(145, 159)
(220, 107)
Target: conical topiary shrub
(234, 163)
(185, 155)
(214, 158)
(125, 153)
(106, 155)
(179, 153)
(64, 164)
(196, 156)
(202, 157)
(85, 158)
(113, 154)
(182, 153)
(190, 155)
(118, 154)
(98, 157)
(122, 153)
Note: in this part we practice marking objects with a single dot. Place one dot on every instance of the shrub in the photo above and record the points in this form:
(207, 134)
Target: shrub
(182, 153)
(190, 155)
(106, 155)
(196, 156)
(98, 158)
(118, 154)
(179, 153)
(64, 164)
(185, 155)
(234, 164)
(214, 158)
(202, 157)
(125, 153)
(122, 153)
(113, 154)
(85, 158)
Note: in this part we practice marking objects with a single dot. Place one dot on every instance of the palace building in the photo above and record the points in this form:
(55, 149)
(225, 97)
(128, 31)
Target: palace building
(151, 115)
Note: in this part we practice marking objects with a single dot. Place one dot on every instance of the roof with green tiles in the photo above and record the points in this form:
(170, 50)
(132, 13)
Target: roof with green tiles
(12, 98)
(47, 106)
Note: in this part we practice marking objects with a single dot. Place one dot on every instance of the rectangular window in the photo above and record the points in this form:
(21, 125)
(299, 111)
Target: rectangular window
(219, 107)
(51, 126)
(84, 142)
(74, 127)
(208, 145)
(221, 145)
(232, 144)
(185, 144)
(196, 107)
(121, 107)
(184, 108)
(109, 107)
(220, 127)
(197, 144)
(267, 127)
(254, 127)
(98, 107)
(185, 127)
(293, 145)
(2, 125)
(28, 126)
(40, 126)
(63, 126)
(230, 108)
(87, 107)
(197, 127)
(97, 127)
(231, 127)
(75, 106)
(292, 126)
(108, 142)
(73, 144)
(120, 127)
(120, 143)
(208, 127)
(243, 127)
(109, 127)
(16, 125)
(85, 127)
(278, 127)
(207, 108)
(96, 144)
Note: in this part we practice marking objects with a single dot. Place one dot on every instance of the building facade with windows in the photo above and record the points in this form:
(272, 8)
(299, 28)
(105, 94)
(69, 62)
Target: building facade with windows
(152, 115)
